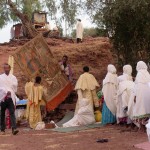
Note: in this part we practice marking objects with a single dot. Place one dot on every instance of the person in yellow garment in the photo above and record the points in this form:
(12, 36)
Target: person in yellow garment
(35, 93)
(86, 88)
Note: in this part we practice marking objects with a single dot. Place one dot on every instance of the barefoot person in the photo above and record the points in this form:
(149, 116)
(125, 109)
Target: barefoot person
(109, 90)
(34, 92)
(10, 83)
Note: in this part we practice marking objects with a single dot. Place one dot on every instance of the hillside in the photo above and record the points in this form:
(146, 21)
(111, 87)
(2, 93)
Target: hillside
(93, 52)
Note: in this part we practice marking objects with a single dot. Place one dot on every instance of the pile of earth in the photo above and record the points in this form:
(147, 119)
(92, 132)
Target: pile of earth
(93, 52)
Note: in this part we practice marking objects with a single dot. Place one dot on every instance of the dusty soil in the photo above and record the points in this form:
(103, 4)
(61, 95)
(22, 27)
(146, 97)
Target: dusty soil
(94, 52)
(83, 140)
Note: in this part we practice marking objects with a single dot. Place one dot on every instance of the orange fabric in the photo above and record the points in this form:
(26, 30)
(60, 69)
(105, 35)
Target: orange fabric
(59, 98)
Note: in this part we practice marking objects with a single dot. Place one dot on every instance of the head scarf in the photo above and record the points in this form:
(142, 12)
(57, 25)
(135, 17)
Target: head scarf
(141, 65)
(127, 69)
(109, 89)
(127, 72)
(143, 75)
(111, 76)
(111, 69)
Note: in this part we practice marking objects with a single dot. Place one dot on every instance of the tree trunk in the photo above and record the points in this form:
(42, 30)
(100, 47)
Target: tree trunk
(26, 22)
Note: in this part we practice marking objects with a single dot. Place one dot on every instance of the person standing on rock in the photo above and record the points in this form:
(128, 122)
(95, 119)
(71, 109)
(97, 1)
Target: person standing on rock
(79, 31)
(9, 83)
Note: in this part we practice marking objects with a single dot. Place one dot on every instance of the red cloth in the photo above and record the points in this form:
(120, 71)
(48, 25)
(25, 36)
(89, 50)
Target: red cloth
(7, 119)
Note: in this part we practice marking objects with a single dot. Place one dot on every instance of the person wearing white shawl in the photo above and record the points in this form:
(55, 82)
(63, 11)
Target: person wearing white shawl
(126, 86)
(84, 116)
(79, 31)
(141, 110)
(86, 88)
(109, 91)
(9, 83)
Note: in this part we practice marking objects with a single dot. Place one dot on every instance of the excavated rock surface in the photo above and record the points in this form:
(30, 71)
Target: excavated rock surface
(93, 52)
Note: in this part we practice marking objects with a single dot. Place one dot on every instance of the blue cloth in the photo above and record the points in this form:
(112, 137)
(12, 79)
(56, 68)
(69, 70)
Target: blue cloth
(21, 102)
(107, 116)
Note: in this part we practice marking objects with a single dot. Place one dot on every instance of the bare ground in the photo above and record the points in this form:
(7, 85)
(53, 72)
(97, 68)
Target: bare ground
(79, 140)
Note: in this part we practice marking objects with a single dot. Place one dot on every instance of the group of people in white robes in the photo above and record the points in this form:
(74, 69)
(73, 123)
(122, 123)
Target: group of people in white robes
(126, 101)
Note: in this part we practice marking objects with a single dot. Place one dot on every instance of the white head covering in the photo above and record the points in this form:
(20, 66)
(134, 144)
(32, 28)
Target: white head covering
(111, 76)
(109, 89)
(127, 69)
(143, 75)
(127, 72)
(141, 65)
(111, 69)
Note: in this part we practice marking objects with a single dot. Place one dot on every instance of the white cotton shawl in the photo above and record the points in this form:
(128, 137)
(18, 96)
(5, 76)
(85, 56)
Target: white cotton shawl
(3, 93)
(142, 91)
(127, 70)
(111, 76)
(86, 82)
(10, 83)
(143, 75)
(110, 88)
(126, 85)
(125, 81)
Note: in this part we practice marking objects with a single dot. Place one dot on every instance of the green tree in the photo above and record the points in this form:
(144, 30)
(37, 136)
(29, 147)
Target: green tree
(19, 10)
(67, 11)
(93, 32)
(128, 26)
(128, 23)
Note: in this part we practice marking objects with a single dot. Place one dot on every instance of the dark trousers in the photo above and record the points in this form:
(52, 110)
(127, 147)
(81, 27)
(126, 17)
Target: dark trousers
(8, 104)
(78, 40)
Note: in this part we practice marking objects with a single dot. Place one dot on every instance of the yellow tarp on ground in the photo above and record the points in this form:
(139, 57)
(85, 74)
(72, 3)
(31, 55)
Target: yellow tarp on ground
(35, 58)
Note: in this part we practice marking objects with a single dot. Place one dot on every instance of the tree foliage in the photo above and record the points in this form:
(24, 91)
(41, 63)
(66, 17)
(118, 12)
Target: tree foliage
(128, 26)
(24, 6)
(128, 23)
(59, 10)
(92, 32)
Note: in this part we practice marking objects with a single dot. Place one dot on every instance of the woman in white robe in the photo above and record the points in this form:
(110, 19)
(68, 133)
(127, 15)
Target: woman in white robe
(126, 85)
(109, 91)
(141, 111)
(84, 116)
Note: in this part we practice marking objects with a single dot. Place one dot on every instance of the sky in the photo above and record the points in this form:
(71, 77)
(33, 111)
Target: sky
(5, 32)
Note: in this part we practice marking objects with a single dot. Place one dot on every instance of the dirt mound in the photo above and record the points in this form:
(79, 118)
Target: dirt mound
(93, 52)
